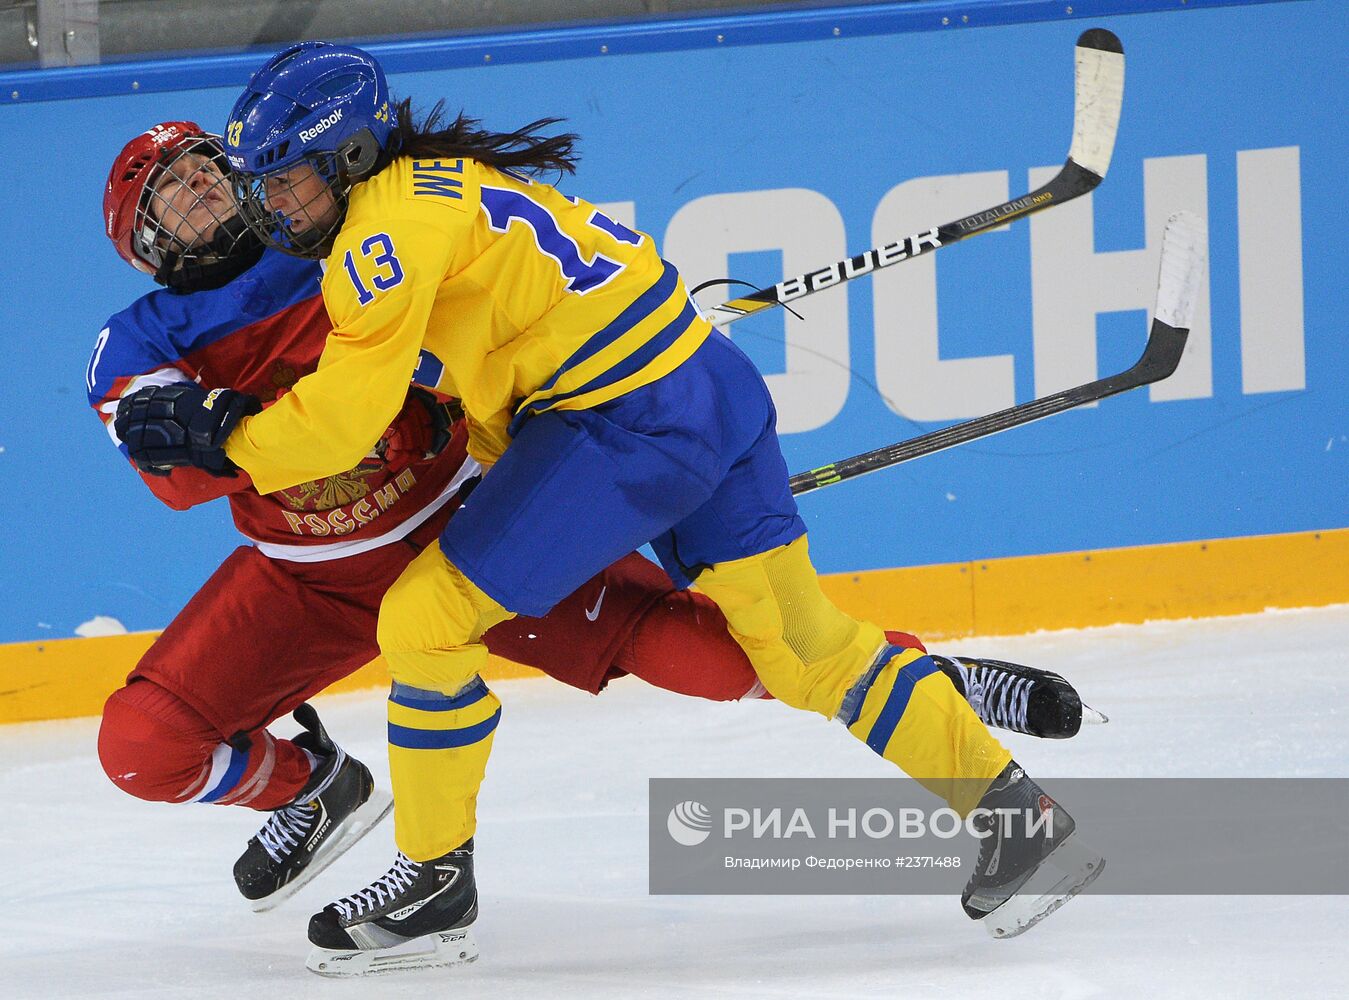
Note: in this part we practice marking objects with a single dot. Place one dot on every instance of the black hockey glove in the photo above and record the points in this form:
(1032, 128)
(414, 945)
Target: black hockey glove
(167, 426)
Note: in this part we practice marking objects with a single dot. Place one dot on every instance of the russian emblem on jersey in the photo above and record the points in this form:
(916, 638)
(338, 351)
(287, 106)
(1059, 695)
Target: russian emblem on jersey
(283, 377)
(332, 492)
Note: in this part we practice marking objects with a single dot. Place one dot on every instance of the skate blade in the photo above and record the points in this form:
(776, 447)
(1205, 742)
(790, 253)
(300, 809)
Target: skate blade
(1091, 717)
(433, 951)
(354, 827)
(1061, 876)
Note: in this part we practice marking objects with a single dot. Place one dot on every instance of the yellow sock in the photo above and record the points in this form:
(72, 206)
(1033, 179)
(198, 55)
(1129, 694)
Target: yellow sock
(438, 749)
(909, 712)
(441, 714)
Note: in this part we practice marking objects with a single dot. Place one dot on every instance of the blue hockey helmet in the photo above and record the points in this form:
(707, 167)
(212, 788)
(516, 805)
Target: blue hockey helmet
(313, 104)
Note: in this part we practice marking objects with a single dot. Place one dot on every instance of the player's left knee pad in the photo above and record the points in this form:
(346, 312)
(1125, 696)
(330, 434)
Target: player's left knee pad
(803, 648)
(681, 644)
(430, 624)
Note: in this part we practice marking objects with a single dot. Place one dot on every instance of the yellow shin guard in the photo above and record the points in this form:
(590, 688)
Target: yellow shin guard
(810, 655)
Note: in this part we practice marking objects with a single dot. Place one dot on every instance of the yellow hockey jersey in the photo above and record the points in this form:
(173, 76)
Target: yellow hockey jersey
(477, 284)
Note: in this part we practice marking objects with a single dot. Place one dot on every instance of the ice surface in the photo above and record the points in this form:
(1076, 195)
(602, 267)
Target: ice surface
(106, 896)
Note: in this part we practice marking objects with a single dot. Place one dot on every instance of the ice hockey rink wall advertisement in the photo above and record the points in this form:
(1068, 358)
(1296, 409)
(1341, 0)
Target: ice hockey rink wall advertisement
(763, 145)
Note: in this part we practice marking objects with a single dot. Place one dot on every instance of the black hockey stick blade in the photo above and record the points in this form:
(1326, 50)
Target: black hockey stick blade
(1098, 94)
(1184, 249)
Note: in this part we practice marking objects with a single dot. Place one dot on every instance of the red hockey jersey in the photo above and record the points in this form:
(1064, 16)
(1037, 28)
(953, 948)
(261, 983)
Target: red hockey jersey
(259, 334)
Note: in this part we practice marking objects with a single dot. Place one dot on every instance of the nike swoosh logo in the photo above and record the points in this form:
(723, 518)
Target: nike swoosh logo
(593, 613)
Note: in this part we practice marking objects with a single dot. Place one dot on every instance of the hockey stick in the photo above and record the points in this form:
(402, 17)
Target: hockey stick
(1098, 93)
(1184, 248)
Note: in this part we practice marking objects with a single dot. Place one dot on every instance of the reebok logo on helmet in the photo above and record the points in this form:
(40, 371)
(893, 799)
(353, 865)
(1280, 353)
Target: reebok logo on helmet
(307, 134)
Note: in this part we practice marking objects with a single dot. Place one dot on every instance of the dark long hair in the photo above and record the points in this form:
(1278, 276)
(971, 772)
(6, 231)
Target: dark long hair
(523, 150)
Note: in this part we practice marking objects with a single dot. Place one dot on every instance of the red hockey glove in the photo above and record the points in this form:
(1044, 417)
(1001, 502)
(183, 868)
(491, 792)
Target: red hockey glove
(420, 431)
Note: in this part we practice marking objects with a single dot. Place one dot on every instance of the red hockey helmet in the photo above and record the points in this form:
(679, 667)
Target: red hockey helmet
(169, 208)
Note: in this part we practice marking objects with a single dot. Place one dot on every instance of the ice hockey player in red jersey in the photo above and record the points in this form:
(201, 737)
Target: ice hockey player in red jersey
(295, 609)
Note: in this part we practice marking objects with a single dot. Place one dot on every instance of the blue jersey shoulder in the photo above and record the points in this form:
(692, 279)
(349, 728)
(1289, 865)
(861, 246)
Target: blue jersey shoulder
(163, 327)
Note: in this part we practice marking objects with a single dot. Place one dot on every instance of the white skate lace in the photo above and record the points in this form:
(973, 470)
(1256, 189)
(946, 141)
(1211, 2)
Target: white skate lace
(385, 888)
(999, 698)
(286, 829)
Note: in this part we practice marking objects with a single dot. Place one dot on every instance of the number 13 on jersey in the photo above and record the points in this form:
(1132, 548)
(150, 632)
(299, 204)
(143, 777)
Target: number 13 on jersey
(388, 271)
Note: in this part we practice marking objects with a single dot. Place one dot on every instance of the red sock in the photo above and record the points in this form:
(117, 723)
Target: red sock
(904, 641)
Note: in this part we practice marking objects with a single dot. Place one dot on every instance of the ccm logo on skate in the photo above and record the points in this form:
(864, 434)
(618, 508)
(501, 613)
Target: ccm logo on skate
(690, 823)
(411, 908)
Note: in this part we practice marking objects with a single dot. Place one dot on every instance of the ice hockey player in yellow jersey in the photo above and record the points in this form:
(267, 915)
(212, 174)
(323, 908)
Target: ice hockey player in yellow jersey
(606, 414)
(486, 285)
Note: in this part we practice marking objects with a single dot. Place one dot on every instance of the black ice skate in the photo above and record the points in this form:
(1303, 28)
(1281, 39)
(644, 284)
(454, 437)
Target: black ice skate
(418, 915)
(337, 807)
(1030, 861)
(1020, 699)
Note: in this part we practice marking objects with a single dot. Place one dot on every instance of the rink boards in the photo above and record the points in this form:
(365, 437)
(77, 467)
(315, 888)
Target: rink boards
(68, 678)
(764, 145)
